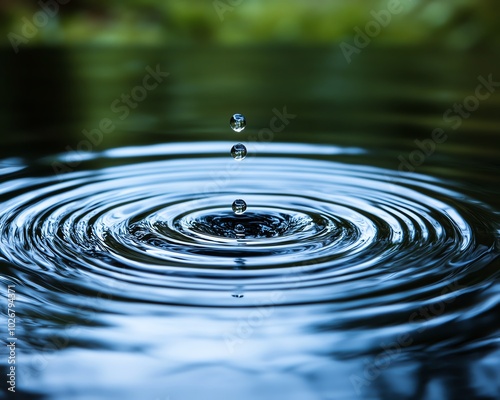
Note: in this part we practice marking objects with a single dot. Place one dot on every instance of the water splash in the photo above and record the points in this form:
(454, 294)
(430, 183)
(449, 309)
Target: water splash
(239, 230)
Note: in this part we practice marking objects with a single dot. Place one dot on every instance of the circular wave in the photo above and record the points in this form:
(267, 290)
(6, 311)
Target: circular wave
(164, 231)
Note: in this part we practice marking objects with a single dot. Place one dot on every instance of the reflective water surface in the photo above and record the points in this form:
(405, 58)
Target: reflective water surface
(365, 266)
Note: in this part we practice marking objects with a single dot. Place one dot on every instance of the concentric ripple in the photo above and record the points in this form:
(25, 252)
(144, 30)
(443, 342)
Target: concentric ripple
(160, 224)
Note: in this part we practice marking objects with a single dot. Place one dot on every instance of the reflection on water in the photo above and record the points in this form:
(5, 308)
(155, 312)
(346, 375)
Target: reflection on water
(345, 278)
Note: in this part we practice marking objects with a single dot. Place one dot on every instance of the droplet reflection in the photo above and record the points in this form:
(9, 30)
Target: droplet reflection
(238, 122)
(239, 151)
(239, 207)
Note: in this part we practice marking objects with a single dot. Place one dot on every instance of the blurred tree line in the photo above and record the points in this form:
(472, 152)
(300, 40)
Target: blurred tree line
(453, 23)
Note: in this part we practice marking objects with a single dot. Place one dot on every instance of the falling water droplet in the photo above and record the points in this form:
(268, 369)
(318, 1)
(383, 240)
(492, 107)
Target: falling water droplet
(239, 151)
(239, 207)
(238, 122)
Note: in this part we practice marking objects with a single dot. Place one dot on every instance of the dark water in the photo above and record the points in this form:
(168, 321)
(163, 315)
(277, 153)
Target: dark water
(369, 263)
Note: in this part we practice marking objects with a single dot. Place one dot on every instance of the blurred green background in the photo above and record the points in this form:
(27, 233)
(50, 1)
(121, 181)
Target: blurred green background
(456, 23)
(65, 63)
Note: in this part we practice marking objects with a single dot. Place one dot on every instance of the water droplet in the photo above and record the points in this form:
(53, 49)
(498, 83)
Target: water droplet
(239, 207)
(239, 151)
(238, 122)
(239, 229)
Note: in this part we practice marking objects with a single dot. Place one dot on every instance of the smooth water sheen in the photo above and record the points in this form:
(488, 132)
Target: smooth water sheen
(334, 264)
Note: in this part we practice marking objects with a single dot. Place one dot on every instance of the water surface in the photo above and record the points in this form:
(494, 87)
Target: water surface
(355, 276)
